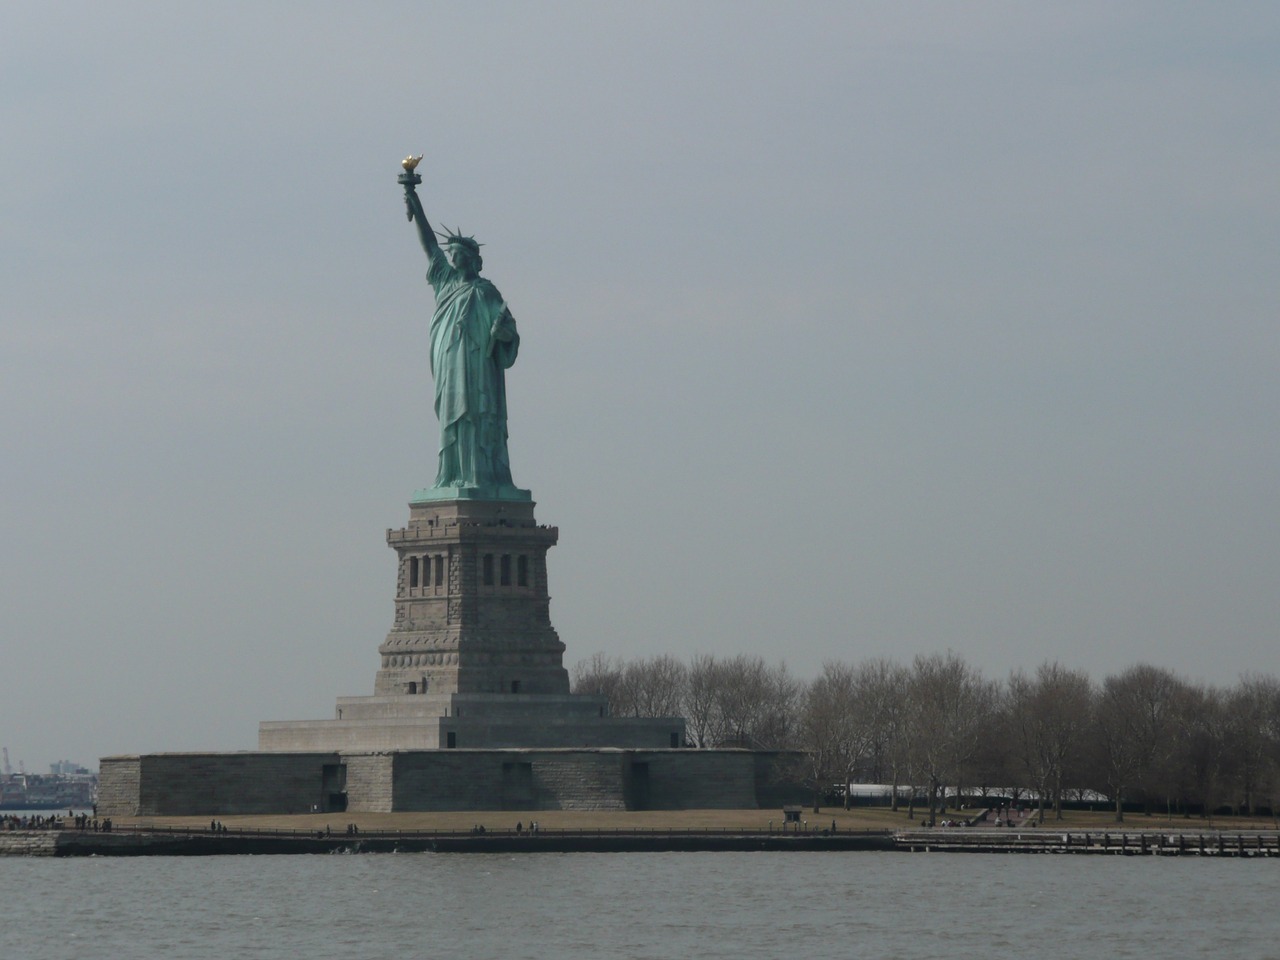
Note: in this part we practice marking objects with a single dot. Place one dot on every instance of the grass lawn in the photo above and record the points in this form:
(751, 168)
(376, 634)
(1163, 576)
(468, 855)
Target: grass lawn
(859, 818)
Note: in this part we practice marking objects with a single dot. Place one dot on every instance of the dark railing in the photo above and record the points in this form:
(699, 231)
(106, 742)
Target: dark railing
(426, 834)
(1048, 840)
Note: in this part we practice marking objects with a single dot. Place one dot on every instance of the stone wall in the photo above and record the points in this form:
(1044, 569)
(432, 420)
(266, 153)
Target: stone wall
(582, 780)
(214, 784)
(447, 780)
(221, 784)
(119, 786)
(42, 843)
(700, 779)
(628, 733)
(369, 782)
(510, 780)
(327, 736)
(475, 721)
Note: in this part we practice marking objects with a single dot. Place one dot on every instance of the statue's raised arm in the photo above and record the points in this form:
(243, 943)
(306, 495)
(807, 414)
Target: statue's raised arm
(413, 206)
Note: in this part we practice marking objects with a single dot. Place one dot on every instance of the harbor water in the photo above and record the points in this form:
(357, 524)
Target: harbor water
(568, 906)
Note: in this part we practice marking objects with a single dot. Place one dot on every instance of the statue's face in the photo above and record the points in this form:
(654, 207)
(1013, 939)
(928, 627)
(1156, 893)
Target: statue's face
(463, 260)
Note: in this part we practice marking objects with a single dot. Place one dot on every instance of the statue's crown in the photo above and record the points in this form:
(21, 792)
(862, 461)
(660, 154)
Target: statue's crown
(455, 236)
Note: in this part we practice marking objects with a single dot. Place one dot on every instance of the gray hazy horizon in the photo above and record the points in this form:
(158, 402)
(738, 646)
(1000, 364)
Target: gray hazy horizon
(848, 330)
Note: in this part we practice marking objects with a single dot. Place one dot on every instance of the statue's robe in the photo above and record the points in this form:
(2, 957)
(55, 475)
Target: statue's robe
(473, 340)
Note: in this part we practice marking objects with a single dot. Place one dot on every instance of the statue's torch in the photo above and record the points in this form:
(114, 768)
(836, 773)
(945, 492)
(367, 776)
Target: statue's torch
(410, 178)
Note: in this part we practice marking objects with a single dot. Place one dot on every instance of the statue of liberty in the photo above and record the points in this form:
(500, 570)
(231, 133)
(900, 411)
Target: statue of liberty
(473, 340)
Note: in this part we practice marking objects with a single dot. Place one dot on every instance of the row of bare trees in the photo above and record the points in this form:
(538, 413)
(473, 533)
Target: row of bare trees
(740, 701)
(939, 729)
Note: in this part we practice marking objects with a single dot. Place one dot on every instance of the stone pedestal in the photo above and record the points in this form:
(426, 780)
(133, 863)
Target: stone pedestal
(472, 660)
(472, 611)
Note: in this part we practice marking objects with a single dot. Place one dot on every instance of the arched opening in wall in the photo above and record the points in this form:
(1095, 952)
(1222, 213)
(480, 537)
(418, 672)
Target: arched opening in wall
(487, 569)
(413, 686)
(423, 688)
(413, 572)
(426, 571)
(515, 686)
(522, 571)
(439, 569)
(504, 570)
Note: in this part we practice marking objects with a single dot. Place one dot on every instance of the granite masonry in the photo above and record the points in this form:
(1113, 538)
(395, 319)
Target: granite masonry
(226, 784)
(472, 660)
(471, 709)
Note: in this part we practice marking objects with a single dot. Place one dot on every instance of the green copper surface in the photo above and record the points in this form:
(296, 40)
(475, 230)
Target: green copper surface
(508, 492)
(473, 341)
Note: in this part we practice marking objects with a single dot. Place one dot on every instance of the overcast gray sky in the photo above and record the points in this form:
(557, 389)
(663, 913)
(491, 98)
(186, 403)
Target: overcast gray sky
(848, 330)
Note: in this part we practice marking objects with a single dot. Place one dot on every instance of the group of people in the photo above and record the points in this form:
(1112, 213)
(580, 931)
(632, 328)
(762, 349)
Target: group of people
(83, 821)
(1007, 815)
(353, 830)
(14, 822)
(479, 828)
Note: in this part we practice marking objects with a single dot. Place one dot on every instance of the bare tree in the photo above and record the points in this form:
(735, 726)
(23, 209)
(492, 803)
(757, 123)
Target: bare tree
(842, 722)
(1254, 710)
(880, 699)
(602, 675)
(703, 722)
(756, 703)
(1207, 754)
(776, 727)
(1048, 720)
(992, 765)
(742, 689)
(651, 687)
(1136, 732)
(884, 708)
(951, 708)
(655, 687)
(821, 731)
